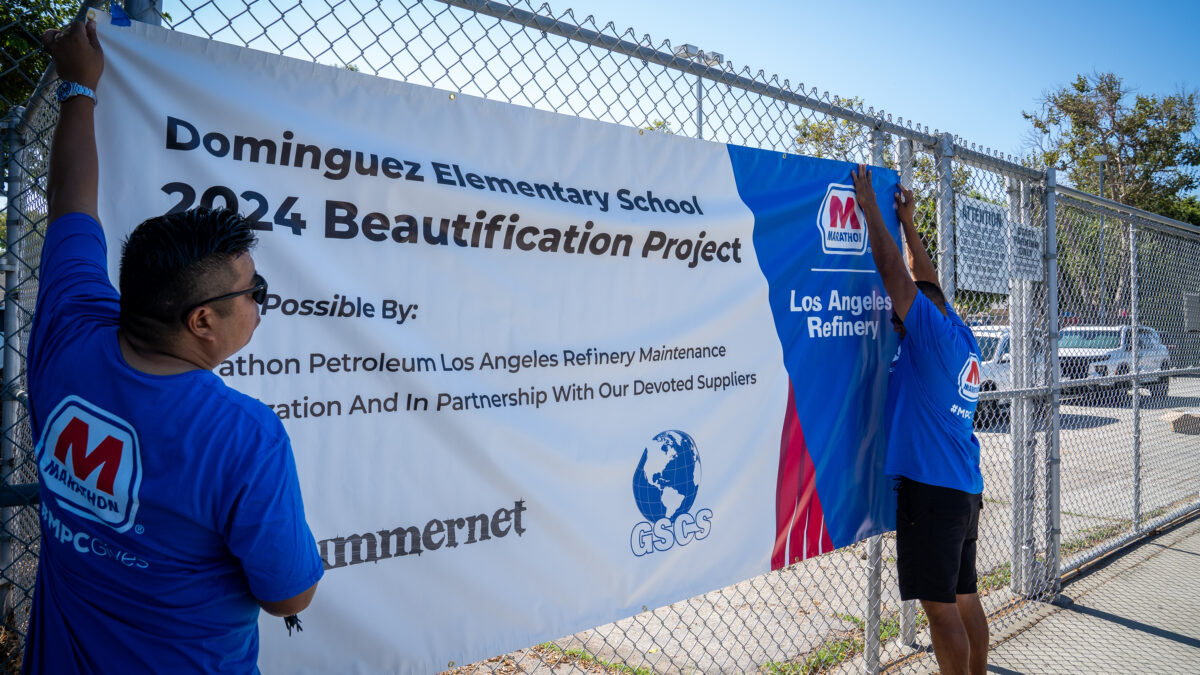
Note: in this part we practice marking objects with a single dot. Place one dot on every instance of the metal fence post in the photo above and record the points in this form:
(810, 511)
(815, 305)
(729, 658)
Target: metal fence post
(145, 11)
(700, 107)
(1035, 407)
(12, 365)
(1135, 392)
(908, 609)
(945, 215)
(1053, 514)
(1020, 306)
(871, 645)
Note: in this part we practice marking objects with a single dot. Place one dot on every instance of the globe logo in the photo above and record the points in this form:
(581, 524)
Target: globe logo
(668, 476)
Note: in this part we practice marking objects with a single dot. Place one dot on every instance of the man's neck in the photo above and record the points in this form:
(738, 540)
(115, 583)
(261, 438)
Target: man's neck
(154, 360)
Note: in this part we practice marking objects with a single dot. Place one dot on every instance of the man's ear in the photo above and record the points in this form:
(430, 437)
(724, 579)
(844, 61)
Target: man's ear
(200, 323)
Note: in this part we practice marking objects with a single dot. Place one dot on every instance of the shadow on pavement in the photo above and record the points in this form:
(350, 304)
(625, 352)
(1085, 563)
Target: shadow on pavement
(1136, 625)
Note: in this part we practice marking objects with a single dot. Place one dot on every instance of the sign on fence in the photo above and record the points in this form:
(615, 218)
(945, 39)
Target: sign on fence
(992, 249)
(538, 371)
(1025, 246)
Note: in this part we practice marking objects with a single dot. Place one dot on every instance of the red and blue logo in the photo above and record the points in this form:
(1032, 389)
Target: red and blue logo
(842, 223)
(90, 459)
(968, 379)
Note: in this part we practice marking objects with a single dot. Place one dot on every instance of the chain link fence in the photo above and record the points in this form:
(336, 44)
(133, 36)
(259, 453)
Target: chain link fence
(1088, 319)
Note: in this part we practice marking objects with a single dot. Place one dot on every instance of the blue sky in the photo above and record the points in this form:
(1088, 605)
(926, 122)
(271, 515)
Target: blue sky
(965, 67)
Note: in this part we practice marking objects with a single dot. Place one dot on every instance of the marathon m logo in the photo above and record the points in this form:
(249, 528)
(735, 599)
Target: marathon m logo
(968, 379)
(842, 222)
(91, 461)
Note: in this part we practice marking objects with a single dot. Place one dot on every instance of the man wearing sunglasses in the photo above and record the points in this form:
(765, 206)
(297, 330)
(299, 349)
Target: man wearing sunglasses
(932, 451)
(170, 504)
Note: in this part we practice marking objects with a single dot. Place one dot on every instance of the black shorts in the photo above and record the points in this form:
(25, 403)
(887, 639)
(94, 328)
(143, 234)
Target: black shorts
(936, 529)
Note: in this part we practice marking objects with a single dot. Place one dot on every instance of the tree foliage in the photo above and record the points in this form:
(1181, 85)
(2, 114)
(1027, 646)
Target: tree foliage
(22, 60)
(833, 138)
(1152, 164)
(1150, 141)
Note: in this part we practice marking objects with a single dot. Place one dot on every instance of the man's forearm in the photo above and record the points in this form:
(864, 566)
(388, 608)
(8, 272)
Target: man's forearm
(918, 259)
(888, 261)
(74, 169)
(883, 248)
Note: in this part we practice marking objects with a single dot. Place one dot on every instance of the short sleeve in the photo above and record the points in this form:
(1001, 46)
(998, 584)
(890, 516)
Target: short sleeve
(266, 528)
(73, 283)
(929, 331)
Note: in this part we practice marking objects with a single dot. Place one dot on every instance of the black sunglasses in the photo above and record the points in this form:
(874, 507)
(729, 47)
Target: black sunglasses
(258, 292)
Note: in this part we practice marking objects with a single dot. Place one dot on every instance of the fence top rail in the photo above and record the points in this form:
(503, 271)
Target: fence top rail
(1100, 203)
(931, 141)
(970, 155)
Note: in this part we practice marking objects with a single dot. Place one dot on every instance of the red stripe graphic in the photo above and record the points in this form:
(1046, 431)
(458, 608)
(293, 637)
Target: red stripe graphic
(800, 531)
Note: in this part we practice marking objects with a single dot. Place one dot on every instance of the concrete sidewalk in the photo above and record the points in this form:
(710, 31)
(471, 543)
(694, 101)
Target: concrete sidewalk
(1138, 612)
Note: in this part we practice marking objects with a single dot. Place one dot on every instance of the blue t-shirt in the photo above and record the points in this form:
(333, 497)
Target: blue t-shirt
(168, 503)
(932, 395)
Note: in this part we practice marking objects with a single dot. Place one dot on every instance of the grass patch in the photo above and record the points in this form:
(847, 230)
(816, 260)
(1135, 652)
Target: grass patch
(998, 578)
(830, 653)
(1154, 513)
(1093, 536)
(841, 646)
(575, 656)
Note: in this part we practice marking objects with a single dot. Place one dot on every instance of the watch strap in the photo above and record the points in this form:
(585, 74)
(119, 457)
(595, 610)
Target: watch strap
(67, 89)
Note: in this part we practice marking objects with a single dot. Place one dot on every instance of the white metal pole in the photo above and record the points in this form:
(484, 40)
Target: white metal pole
(908, 609)
(945, 216)
(1135, 391)
(1019, 417)
(1053, 477)
(875, 544)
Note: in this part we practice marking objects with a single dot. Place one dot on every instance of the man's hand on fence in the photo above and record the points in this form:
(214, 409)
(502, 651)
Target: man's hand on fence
(76, 52)
(863, 188)
(905, 205)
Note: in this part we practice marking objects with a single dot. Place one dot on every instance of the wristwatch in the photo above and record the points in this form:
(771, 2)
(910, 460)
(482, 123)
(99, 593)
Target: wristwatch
(68, 89)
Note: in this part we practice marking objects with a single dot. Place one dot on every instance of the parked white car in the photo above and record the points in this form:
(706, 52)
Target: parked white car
(1090, 352)
(995, 358)
(996, 369)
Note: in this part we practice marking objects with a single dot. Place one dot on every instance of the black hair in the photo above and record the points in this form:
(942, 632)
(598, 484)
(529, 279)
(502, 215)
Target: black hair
(171, 262)
(934, 293)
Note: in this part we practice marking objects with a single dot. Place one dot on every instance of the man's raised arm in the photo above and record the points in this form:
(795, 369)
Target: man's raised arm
(918, 258)
(74, 171)
(896, 281)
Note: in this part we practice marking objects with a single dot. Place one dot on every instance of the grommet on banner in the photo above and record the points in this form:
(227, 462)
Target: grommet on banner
(450, 664)
(91, 15)
(452, 96)
(641, 132)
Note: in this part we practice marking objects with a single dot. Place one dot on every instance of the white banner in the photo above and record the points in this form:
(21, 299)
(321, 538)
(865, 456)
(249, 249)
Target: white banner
(528, 363)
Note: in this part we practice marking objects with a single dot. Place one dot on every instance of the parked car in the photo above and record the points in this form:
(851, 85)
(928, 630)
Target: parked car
(996, 369)
(1091, 352)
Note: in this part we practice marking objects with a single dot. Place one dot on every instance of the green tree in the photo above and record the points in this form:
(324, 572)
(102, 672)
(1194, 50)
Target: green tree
(833, 138)
(1150, 141)
(22, 60)
(1152, 163)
